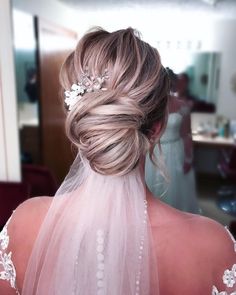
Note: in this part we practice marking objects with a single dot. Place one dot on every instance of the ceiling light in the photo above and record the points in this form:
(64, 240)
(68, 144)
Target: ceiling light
(210, 2)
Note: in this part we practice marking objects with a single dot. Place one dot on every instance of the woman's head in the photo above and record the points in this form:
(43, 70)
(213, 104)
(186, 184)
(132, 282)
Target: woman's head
(111, 128)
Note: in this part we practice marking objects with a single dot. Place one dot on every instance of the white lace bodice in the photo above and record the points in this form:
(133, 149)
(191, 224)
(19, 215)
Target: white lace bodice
(229, 276)
(8, 271)
(7, 268)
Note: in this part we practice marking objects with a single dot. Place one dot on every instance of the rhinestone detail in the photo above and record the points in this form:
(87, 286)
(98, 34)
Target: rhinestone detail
(100, 262)
(140, 251)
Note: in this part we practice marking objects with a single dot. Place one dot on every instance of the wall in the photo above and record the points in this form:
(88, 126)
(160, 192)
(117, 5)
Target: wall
(50, 10)
(9, 141)
(160, 25)
(24, 52)
(9, 133)
(225, 41)
(176, 34)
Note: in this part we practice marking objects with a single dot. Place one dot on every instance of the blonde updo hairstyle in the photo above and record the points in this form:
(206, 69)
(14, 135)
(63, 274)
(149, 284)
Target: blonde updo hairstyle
(112, 128)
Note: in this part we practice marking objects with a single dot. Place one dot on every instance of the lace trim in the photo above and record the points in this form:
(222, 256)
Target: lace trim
(216, 292)
(229, 277)
(9, 271)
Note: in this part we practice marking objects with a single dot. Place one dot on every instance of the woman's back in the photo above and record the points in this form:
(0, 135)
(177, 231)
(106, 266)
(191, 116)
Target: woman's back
(192, 251)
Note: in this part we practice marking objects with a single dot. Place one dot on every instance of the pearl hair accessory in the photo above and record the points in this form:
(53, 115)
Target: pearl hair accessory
(86, 84)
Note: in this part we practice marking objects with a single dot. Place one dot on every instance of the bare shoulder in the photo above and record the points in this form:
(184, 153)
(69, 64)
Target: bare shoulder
(216, 247)
(29, 214)
(23, 230)
(213, 236)
(207, 248)
(27, 219)
(33, 205)
(206, 235)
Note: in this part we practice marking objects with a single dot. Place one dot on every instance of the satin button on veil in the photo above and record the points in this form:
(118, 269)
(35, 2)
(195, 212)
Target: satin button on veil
(95, 238)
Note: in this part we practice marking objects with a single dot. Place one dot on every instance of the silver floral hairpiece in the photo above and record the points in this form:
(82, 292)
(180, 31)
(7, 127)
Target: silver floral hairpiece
(87, 84)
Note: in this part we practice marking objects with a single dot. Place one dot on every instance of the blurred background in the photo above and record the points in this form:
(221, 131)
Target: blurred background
(194, 37)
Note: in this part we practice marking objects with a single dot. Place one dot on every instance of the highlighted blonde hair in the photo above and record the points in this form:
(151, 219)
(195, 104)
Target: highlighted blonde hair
(112, 128)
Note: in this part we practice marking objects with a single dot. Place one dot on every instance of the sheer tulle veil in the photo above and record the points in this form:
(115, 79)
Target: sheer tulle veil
(96, 237)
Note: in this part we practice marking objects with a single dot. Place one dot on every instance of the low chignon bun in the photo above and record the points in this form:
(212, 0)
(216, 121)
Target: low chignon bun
(107, 133)
(110, 128)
